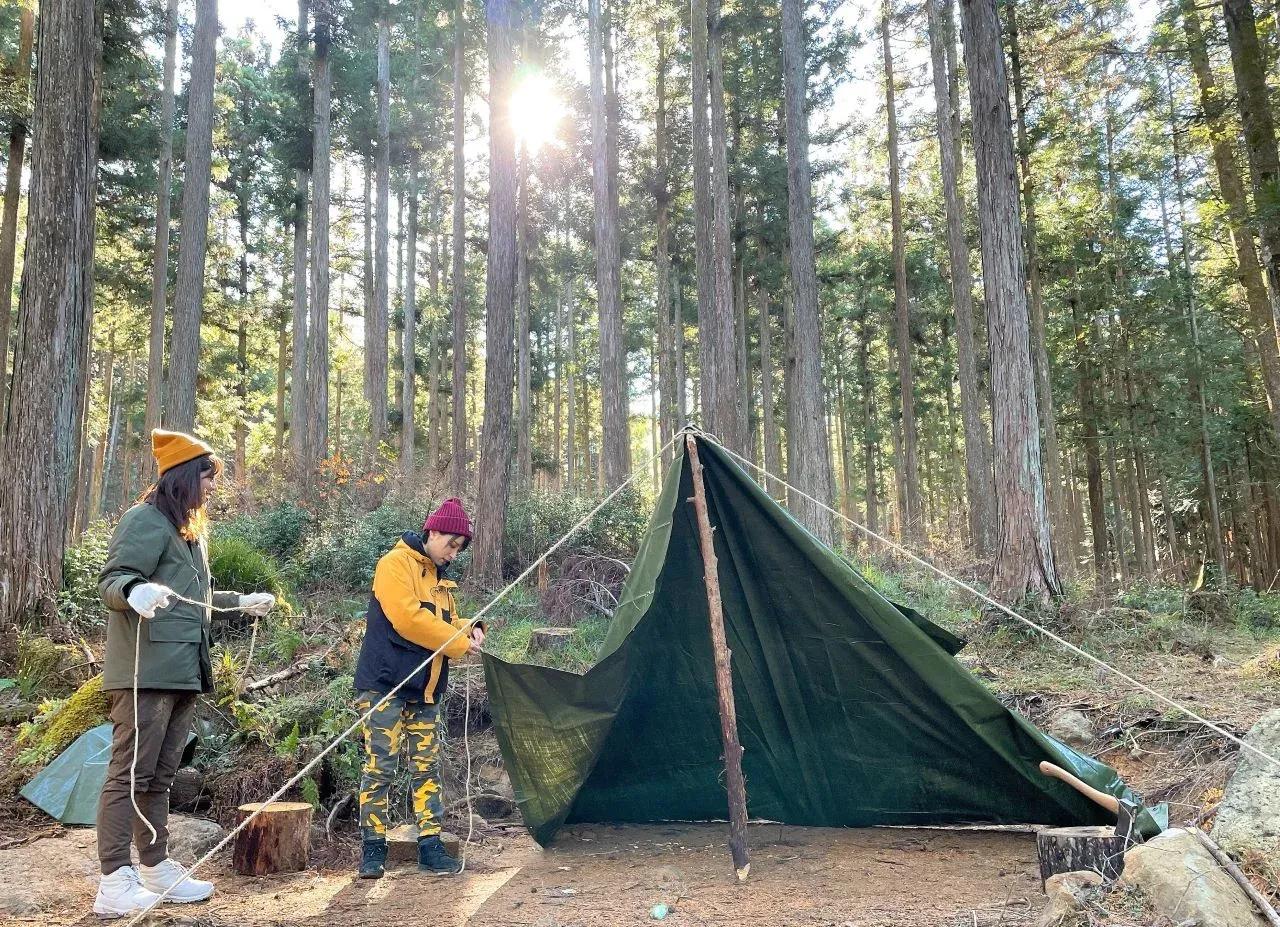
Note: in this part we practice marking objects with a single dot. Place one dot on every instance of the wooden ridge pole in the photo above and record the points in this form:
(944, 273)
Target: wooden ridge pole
(734, 781)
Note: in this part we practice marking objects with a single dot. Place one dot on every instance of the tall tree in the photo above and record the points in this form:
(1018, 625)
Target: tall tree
(613, 359)
(302, 184)
(408, 350)
(1039, 343)
(662, 245)
(376, 326)
(1249, 66)
(13, 188)
(40, 445)
(317, 398)
(977, 445)
(500, 283)
(188, 294)
(910, 503)
(809, 454)
(1231, 188)
(160, 250)
(524, 440)
(1024, 555)
(457, 282)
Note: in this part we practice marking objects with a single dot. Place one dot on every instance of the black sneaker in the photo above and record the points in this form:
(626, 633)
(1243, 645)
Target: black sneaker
(433, 857)
(373, 858)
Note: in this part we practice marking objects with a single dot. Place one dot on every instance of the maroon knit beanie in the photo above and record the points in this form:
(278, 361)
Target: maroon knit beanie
(450, 518)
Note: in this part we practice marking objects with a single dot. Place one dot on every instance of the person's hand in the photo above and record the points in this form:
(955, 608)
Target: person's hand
(145, 598)
(477, 640)
(257, 603)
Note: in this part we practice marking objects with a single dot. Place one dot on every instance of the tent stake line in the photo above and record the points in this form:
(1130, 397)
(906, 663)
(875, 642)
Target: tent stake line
(734, 781)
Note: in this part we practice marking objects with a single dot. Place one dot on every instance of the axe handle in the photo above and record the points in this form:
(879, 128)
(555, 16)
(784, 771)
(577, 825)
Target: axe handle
(1110, 802)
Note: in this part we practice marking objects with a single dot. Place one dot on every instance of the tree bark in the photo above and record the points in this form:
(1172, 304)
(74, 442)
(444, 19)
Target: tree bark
(188, 295)
(1039, 345)
(809, 460)
(377, 326)
(1086, 352)
(160, 250)
(1024, 560)
(571, 366)
(613, 388)
(40, 445)
(869, 436)
(770, 437)
(408, 347)
(524, 445)
(977, 444)
(910, 505)
(13, 188)
(491, 504)
(298, 374)
(458, 311)
(317, 404)
(662, 253)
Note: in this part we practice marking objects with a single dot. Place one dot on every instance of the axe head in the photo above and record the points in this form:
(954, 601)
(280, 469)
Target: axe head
(1126, 822)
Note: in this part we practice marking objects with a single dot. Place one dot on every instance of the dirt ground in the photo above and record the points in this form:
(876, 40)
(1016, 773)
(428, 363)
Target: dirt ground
(600, 876)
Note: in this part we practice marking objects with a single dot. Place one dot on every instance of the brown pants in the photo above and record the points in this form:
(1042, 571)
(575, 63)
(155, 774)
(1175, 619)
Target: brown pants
(165, 720)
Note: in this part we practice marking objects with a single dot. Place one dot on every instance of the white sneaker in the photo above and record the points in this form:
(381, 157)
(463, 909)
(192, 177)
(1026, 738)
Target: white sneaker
(166, 873)
(122, 893)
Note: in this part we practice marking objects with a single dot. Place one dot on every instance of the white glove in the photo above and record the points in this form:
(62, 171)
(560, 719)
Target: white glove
(257, 603)
(145, 598)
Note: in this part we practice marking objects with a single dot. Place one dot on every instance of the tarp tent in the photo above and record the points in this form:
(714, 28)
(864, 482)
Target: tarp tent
(851, 710)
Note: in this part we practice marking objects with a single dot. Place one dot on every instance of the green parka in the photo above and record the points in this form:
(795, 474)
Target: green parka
(174, 649)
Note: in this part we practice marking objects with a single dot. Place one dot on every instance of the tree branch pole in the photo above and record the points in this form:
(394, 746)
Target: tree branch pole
(724, 681)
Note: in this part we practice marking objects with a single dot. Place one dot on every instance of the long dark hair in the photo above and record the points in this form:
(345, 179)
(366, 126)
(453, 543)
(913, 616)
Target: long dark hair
(177, 495)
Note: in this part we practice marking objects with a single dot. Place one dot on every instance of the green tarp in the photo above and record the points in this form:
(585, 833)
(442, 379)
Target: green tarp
(68, 788)
(851, 710)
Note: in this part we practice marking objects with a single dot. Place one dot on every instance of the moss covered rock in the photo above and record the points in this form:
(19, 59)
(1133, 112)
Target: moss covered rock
(61, 722)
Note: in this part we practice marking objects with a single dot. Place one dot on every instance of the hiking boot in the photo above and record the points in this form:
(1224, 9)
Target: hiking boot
(122, 893)
(373, 857)
(433, 857)
(168, 874)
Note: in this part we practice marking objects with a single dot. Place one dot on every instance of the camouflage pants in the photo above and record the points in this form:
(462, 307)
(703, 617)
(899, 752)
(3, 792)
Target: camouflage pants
(387, 729)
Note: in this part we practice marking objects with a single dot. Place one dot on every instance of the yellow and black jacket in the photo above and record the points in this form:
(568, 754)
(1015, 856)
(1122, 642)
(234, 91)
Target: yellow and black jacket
(411, 614)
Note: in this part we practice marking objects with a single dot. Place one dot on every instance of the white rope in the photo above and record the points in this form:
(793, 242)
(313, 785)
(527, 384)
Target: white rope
(1003, 608)
(465, 629)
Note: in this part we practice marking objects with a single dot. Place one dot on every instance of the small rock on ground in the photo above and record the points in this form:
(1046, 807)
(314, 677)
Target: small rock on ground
(1066, 892)
(1186, 884)
(1072, 727)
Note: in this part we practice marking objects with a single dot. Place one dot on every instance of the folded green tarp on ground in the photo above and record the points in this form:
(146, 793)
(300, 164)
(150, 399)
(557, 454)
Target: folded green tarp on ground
(851, 710)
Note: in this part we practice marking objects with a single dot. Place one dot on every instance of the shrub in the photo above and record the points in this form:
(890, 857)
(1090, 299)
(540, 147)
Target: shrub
(342, 553)
(78, 601)
(279, 531)
(1258, 611)
(537, 521)
(235, 564)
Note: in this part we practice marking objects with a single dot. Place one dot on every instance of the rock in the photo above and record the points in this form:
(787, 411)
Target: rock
(1249, 814)
(191, 838)
(402, 845)
(1066, 892)
(1186, 884)
(1072, 728)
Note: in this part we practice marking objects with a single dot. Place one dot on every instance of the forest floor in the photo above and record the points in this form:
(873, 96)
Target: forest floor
(1225, 669)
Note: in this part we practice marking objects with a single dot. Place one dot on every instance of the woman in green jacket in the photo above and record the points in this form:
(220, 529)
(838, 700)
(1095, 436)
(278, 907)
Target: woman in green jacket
(157, 561)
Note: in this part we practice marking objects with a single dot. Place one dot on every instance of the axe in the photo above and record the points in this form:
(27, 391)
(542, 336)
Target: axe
(1125, 811)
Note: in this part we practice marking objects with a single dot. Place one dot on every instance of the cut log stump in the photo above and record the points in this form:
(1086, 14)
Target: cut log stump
(1080, 849)
(278, 840)
(550, 640)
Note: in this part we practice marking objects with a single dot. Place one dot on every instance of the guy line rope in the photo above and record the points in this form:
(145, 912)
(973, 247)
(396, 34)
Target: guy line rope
(465, 629)
(1003, 608)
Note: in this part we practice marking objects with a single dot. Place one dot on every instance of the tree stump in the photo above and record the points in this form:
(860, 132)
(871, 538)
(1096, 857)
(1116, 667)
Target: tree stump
(1080, 849)
(550, 640)
(278, 840)
(187, 792)
(402, 845)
